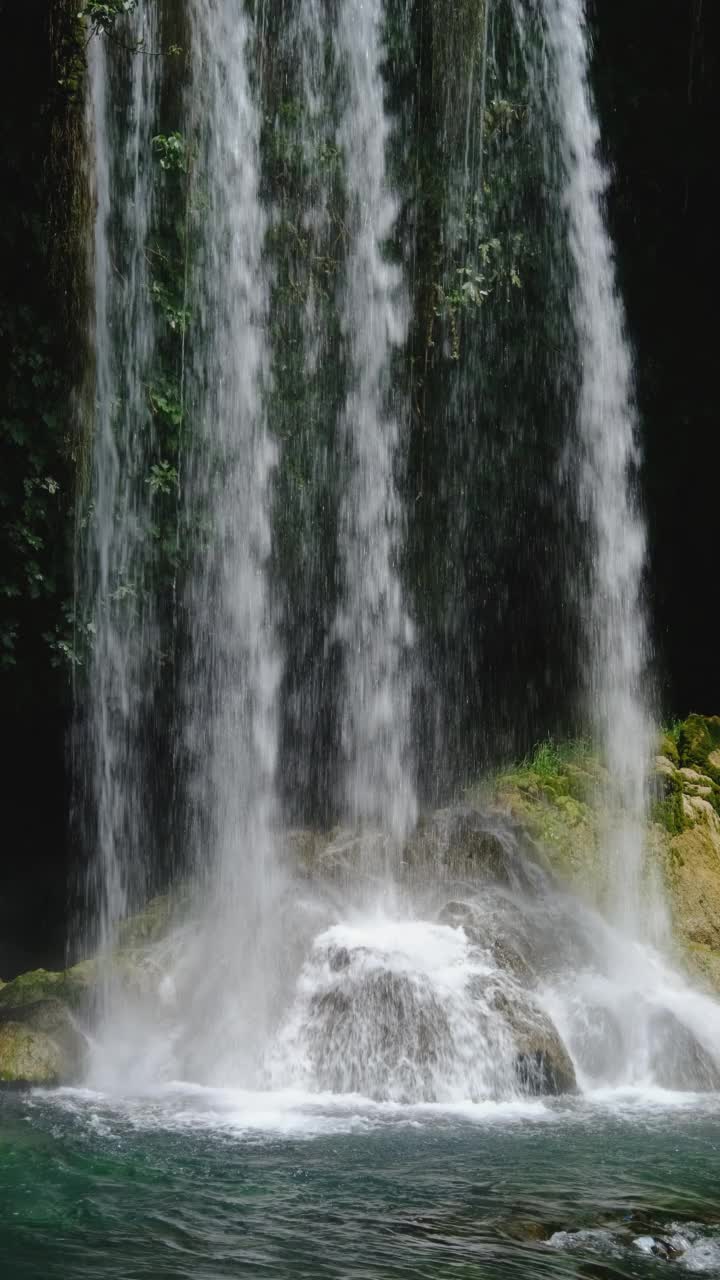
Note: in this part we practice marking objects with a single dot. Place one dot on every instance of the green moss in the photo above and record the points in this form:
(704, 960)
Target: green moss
(28, 1056)
(552, 793)
(72, 986)
(667, 747)
(667, 811)
(555, 769)
(698, 737)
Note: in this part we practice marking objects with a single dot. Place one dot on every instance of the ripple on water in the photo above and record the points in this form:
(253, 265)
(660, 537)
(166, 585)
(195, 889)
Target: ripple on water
(207, 1183)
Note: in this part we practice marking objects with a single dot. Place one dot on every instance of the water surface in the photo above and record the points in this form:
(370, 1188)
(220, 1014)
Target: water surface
(204, 1183)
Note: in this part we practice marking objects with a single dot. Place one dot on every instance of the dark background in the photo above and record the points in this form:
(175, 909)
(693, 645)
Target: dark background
(656, 76)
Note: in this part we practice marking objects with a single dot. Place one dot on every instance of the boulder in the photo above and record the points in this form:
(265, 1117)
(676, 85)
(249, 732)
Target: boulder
(73, 986)
(484, 929)
(29, 1057)
(380, 1035)
(543, 1065)
(465, 843)
(40, 1044)
(678, 1060)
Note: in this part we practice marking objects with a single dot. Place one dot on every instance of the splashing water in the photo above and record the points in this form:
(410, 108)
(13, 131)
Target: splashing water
(490, 983)
(374, 624)
(606, 463)
(233, 676)
(115, 565)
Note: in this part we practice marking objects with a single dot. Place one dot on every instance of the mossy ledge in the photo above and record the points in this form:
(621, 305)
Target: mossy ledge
(42, 1013)
(557, 792)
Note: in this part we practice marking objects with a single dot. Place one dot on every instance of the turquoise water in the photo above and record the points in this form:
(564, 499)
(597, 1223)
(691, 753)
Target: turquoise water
(209, 1184)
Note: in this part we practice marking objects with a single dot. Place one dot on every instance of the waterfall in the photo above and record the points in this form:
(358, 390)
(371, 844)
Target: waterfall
(115, 581)
(477, 976)
(603, 455)
(234, 668)
(374, 622)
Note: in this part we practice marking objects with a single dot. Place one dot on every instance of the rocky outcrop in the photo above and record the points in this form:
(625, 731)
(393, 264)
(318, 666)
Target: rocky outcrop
(542, 1064)
(678, 1060)
(29, 1057)
(71, 987)
(40, 1043)
(42, 1012)
(469, 843)
(40, 1038)
(557, 796)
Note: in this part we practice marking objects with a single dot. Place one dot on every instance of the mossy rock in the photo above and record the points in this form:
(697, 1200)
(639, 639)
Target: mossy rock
(72, 986)
(564, 827)
(50, 1019)
(150, 924)
(667, 809)
(668, 747)
(29, 1056)
(693, 881)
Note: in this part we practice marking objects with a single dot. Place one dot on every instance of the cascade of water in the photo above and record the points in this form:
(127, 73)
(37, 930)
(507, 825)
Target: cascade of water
(121, 109)
(234, 669)
(606, 455)
(374, 623)
(494, 974)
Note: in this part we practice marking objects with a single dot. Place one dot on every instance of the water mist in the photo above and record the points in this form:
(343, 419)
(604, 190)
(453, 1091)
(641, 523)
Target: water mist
(116, 566)
(374, 624)
(489, 981)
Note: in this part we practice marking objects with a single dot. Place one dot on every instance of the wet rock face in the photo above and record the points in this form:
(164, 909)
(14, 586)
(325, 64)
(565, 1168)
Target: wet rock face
(678, 1060)
(384, 1038)
(40, 1044)
(29, 1057)
(542, 1064)
(465, 842)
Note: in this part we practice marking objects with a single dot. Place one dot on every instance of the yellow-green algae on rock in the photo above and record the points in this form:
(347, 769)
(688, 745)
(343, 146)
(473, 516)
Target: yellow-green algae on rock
(557, 792)
(29, 1056)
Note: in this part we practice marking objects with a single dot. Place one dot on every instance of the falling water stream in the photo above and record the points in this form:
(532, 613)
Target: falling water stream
(398, 1047)
(115, 562)
(375, 627)
(607, 461)
(298, 967)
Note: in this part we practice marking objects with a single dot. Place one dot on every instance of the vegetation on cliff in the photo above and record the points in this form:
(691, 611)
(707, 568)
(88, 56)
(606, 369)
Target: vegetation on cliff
(556, 793)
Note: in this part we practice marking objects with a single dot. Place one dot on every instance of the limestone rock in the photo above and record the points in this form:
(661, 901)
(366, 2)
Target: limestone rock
(692, 775)
(665, 766)
(40, 1043)
(487, 932)
(467, 843)
(543, 1065)
(29, 1057)
(698, 809)
(678, 1060)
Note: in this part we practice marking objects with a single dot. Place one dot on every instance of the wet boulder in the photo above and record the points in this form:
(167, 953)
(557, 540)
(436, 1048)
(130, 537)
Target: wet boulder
(29, 1057)
(382, 1035)
(542, 1063)
(483, 926)
(40, 1044)
(677, 1059)
(464, 843)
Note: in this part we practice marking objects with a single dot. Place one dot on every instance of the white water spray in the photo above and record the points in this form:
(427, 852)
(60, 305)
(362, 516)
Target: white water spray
(607, 461)
(233, 678)
(124, 648)
(374, 623)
